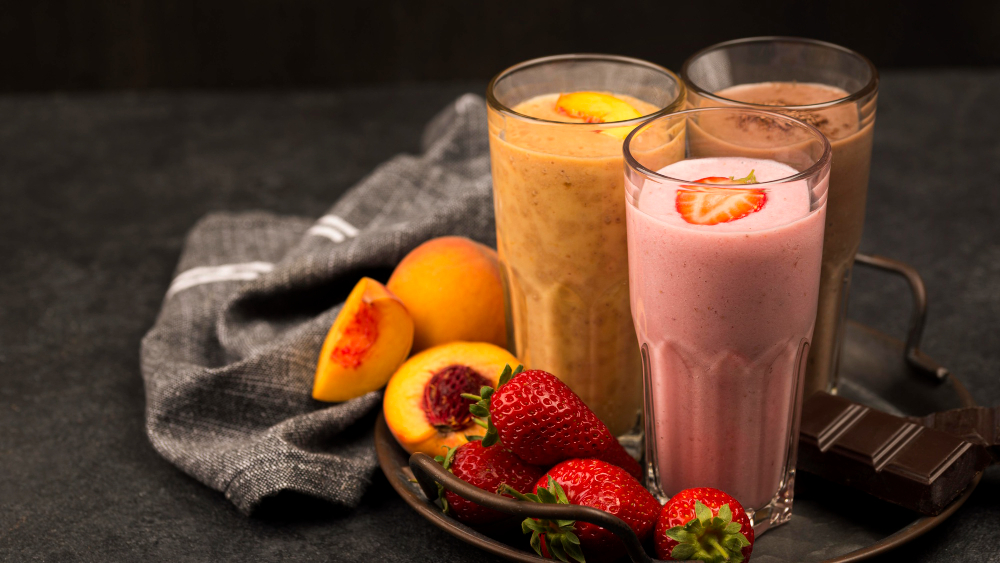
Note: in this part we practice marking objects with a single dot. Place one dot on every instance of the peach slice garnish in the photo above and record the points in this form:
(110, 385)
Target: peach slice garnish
(369, 339)
(596, 107)
(423, 405)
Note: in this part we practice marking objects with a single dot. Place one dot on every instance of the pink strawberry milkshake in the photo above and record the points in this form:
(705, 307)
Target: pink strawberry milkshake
(724, 314)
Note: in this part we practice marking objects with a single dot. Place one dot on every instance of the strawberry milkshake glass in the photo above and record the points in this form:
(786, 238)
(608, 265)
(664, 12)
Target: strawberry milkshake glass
(724, 251)
(836, 90)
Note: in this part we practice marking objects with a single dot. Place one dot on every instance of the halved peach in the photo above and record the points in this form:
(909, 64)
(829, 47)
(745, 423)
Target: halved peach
(596, 107)
(423, 405)
(369, 339)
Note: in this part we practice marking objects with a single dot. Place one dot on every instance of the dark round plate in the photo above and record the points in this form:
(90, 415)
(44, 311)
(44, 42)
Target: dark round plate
(829, 523)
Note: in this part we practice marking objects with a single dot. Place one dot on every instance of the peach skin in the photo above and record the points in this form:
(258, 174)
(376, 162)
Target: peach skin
(423, 405)
(369, 339)
(451, 287)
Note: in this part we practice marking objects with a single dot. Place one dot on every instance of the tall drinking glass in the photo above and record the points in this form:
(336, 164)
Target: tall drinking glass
(557, 182)
(724, 251)
(834, 89)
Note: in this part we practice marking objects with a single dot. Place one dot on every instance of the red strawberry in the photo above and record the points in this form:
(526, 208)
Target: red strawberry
(727, 180)
(704, 524)
(708, 205)
(543, 422)
(594, 483)
(488, 469)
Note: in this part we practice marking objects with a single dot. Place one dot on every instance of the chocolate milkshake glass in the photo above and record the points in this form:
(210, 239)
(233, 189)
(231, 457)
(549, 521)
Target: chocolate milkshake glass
(834, 89)
(724, 251)
(557, 184)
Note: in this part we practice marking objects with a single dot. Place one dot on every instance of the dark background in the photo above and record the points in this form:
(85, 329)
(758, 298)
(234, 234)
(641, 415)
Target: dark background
(97, 192)
(181, 44)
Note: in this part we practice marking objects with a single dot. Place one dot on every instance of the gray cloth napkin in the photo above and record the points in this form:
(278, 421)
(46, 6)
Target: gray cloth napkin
(228, 366)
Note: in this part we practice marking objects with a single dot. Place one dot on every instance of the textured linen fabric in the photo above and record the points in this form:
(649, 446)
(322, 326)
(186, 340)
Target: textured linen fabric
(228, 365)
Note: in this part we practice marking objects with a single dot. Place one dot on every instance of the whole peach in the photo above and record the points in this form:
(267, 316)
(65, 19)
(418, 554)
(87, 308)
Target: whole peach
(452, 288)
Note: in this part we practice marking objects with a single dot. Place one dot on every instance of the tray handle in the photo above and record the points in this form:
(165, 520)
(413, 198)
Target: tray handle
(916, 359)
(429, 473)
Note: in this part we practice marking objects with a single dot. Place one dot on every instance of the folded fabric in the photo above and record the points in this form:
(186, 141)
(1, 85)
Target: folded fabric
(229, 363)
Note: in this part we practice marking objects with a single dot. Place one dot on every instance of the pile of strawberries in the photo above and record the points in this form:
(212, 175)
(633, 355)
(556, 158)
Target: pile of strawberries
(543, 444)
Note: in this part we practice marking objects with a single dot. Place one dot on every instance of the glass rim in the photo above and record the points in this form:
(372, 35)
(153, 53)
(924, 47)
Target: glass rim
(493, 102)
(870, 87)
(822, 162)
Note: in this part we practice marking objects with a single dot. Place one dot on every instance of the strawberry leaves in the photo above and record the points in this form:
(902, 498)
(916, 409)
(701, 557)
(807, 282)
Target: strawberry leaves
(507, 374)
(481, 408)
(445, 462)
(559, 537)
(748, 179)
(708, 538)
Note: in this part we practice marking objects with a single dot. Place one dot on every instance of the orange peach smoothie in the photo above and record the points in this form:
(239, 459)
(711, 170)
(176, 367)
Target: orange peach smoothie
(560, 210)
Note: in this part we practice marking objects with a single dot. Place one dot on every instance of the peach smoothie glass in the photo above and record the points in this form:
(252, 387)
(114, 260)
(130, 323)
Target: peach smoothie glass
(557, 182)
(724, 250)
(836, 90)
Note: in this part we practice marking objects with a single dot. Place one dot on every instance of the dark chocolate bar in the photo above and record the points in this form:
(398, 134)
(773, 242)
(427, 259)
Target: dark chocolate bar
(885, 455)
(979, 425)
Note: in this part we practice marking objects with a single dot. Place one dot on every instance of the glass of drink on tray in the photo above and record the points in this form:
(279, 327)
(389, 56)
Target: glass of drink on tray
(834, 89)
(556, 128)
(724, 250)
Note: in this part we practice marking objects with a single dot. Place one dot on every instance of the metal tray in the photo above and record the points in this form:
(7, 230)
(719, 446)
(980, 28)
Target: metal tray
(829, 523)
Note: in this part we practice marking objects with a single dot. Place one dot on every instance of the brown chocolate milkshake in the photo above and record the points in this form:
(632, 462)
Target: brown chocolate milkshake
(835, 90)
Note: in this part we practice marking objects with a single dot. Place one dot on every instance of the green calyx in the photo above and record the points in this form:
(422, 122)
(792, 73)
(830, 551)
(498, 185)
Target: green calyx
(445, 461)
(560, 540)
(707, 538)
(748, 179)
(481, 408)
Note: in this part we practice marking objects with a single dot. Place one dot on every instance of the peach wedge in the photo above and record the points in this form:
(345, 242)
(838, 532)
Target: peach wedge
(595, 107)
(369, 339)
(423, 405)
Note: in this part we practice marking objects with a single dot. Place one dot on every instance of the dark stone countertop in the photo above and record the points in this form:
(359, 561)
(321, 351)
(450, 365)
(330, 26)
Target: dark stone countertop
(97, 192)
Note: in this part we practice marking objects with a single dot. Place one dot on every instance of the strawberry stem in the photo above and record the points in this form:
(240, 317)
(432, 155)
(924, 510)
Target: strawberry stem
(506, 489)
(717, 547)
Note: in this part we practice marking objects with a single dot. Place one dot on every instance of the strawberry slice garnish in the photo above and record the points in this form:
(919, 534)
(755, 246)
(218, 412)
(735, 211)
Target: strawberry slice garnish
(710, 205)
(726, 180)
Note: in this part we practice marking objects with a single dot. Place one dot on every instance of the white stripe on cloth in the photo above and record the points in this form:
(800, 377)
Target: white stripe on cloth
(338, 223)
(330, 233)
(333, 228)
(213, 274)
